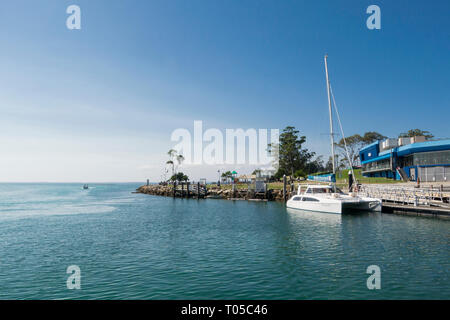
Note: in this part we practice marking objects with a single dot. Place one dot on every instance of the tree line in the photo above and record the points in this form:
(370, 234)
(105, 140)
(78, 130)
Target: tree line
(297, 161)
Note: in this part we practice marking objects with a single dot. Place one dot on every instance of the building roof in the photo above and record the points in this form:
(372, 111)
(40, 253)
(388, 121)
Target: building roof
(369, 145)
(427, 146)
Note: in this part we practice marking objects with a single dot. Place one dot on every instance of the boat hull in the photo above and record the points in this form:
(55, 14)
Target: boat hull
(315, 206)
(338, 207)
(365, 204)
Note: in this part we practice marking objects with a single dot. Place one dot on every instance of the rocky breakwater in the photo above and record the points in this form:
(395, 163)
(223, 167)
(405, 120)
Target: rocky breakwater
(157, 190)
(245, 194)
(215, 193)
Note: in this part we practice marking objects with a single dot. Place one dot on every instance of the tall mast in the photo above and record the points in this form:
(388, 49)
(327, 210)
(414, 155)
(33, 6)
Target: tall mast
(331, 116)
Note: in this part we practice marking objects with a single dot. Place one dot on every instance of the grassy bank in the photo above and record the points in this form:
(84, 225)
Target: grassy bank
(342, 178)
(341, 181)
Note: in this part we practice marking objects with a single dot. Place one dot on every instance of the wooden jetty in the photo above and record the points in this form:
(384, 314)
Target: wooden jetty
(189, 190)
(409, 200)
(411, 210)
(178, 190)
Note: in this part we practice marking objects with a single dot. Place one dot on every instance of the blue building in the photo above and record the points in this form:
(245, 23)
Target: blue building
(407, 159)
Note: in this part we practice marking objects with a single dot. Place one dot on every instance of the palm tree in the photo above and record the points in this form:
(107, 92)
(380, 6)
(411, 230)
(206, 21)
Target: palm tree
(172, 153)
(171, 163)
(228, 175)
(174, 156)
(180, 159)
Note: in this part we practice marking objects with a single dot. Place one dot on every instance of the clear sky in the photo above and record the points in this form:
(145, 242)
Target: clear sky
(100, 103)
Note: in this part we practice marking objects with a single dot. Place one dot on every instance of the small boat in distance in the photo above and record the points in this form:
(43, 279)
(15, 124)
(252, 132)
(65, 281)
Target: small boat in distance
(327, 197)
(85, 186)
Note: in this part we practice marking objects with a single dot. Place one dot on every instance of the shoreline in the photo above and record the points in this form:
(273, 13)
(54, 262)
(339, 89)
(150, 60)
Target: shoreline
(390, 205)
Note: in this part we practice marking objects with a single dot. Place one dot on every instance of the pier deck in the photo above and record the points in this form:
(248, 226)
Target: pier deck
(411, 210)
(409, 200)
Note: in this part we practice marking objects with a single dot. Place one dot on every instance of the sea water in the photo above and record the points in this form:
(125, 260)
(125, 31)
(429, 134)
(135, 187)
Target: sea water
(135, 246)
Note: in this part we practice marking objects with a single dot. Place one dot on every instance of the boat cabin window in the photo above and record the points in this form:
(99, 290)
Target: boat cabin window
(318, 190)
(309, 199)
(296, 198)
(323, 190)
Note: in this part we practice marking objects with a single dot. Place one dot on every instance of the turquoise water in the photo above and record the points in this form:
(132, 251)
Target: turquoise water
(133, 246)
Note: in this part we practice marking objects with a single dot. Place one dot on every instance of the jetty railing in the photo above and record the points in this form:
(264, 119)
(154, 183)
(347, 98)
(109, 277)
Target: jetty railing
(189, 189)
(427, 196)
(198, 189)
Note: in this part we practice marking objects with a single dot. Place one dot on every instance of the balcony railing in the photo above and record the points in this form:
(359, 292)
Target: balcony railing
(368, 169)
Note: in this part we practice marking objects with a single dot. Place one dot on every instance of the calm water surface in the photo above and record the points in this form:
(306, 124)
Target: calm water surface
(132, 246)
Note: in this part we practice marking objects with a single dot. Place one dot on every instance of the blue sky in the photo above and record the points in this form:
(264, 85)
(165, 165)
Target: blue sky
(100, 103)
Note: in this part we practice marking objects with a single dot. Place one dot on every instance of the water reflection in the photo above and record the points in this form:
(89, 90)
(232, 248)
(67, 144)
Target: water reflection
(321, 217)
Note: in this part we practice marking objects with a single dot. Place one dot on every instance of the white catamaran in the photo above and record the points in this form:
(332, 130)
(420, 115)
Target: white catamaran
(328, 198)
